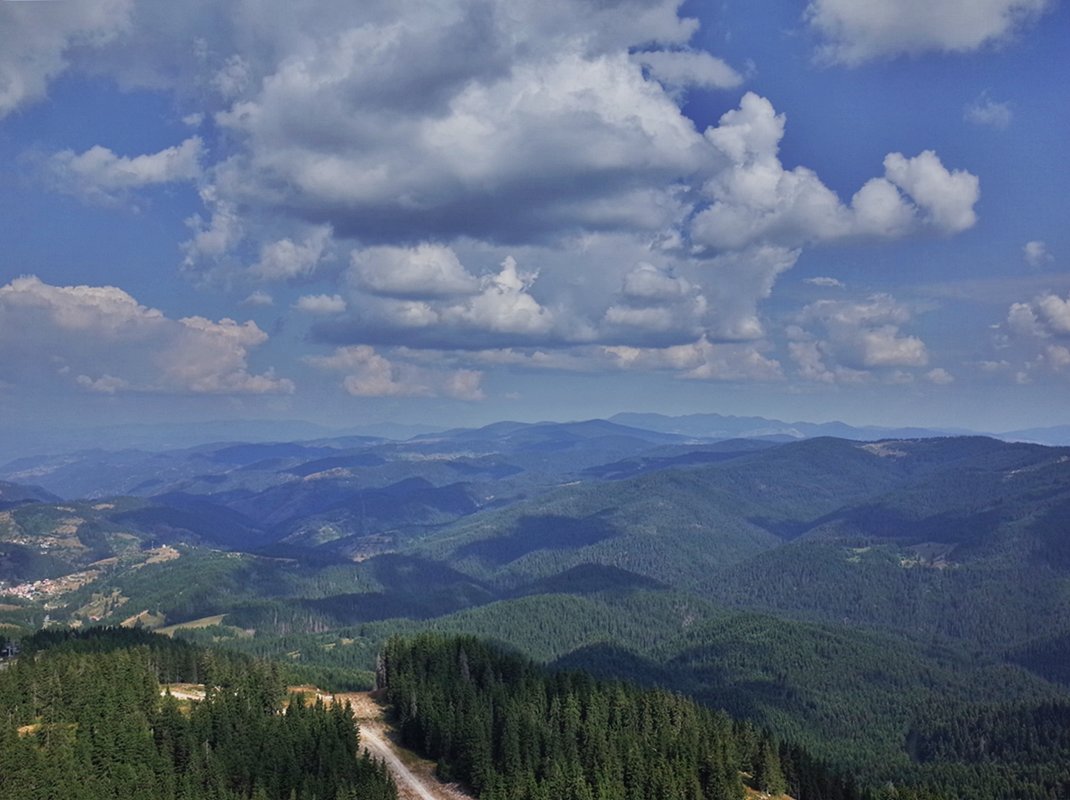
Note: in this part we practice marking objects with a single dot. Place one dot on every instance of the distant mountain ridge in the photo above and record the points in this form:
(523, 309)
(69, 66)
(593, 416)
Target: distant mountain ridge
(13, 494)
(720, 426)
(724, 426)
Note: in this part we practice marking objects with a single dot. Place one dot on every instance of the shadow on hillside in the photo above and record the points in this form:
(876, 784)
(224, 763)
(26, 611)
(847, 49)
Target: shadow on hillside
(548, 532)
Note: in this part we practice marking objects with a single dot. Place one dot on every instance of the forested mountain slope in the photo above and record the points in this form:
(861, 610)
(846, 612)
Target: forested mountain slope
(83, 718)
(797, 584)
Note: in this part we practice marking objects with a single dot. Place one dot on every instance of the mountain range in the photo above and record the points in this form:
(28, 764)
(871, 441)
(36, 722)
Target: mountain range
(792, 579)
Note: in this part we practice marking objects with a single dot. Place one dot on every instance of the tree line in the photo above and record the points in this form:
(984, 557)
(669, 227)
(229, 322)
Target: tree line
(82, 717)
(513, 731)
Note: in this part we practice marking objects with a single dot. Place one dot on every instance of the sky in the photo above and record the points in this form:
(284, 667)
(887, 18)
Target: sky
(450, 212)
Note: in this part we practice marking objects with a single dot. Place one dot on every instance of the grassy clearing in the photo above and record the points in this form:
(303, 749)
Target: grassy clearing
(145, 619)
(203, 622)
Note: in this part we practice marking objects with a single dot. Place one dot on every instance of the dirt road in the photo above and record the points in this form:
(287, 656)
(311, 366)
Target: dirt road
(415, 777)
(406, 779)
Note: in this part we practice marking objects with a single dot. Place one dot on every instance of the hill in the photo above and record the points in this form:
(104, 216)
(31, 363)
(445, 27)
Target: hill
(793, 583)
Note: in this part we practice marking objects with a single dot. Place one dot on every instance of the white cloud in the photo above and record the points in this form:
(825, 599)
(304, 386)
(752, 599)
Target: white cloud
(700, 360)
(881, 210)
(286, 259)
(321, 304)
(464, 384)
(655, 300)
(424, 271)
(214, 238)
(548, 133)
(884, 347)
(466, 147)
(105, 384)
(1058, 357)
(504, 305)
(684, 68)
(754, 199)
(810, 362)
(840, 341)
(946, 198)
(35, 39)
(1055, 312)
(940, 376)
(101, 175)
(1036, 253)
(211, 357)
(738, 282)
(259, 298)
(1022, 319)
(861, 30)
(647, 282)
(1036, 337)
(112, 343)
(233, 77)
(986, 111)
(1045, 316)
(367, 373)
(824, 282)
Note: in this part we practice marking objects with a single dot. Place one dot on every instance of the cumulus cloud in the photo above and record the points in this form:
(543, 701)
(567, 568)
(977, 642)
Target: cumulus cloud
(1036, 253)
(738, 283)
(1022, 320)
(700, 360)
(685, 68)
(112, 343)
(838, 341)
(367, 373)
(1035, 336)
(35, 39)
(504, 305)
(510, 141)
(286, 259)
(755, 199)
(215, 237)
(653, 300)
(945, 198)
(100, 175)
(498, 307)
(1045, 316)
(940, 377)
(861, 30)
(648, 282)
(1057, 357)
(541, 135)
(320, 304)
(421, 272)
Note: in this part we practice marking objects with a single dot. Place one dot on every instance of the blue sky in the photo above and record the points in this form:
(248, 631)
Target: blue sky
(464, 211)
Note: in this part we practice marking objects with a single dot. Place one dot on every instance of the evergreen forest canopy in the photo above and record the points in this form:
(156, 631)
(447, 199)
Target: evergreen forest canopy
(511, 730)
(82, 717)
(883, 606)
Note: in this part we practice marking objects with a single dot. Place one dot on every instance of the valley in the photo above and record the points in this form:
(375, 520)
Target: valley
(816, 587)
